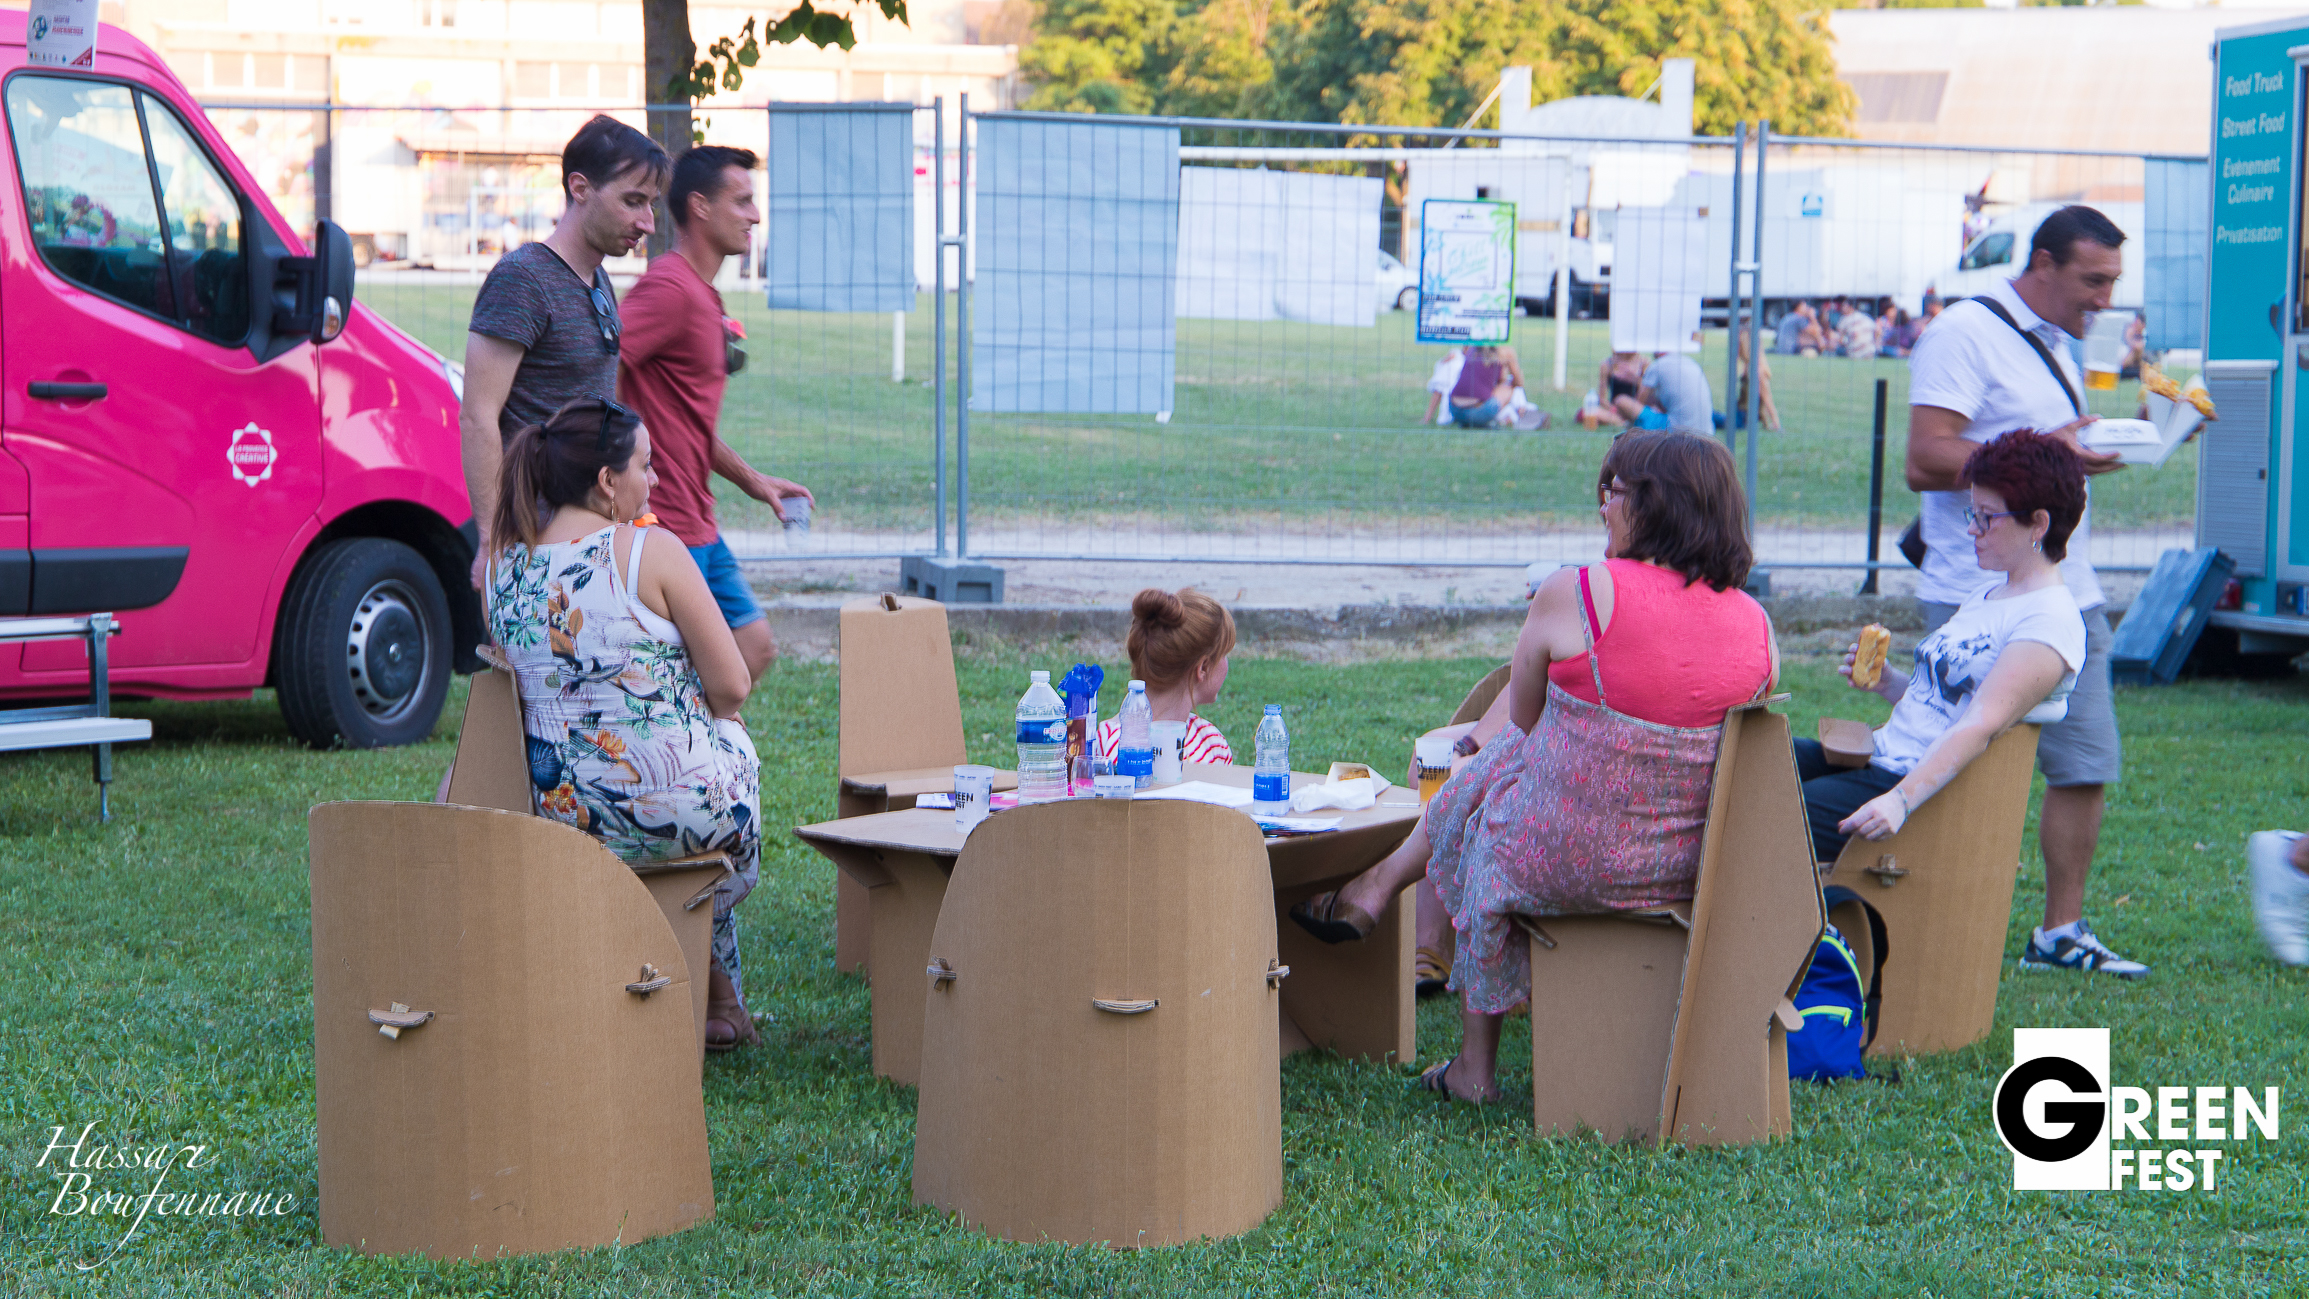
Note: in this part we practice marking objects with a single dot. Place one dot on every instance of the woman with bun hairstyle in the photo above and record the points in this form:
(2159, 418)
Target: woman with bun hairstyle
(1178, 645)
(630, 678)
(1589, 793)
(2009, 654)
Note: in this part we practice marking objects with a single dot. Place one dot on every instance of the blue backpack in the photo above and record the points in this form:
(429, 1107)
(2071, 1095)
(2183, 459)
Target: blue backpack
(1837, 1002)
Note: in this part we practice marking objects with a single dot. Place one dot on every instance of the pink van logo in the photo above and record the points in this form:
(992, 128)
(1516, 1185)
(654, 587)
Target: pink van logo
(250, 454)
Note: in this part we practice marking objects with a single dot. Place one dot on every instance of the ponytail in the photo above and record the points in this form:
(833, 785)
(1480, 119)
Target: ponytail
(549, 465)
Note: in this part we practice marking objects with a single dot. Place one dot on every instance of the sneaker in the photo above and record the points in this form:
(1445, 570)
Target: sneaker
(2080, 951)
(2280, 895)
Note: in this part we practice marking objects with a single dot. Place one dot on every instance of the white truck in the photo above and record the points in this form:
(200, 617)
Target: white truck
(2000, 251)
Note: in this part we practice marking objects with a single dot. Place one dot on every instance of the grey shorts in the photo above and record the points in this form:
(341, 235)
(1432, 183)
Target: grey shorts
(2082, 748)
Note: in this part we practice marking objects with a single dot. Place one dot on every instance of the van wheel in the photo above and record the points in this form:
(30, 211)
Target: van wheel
(1407, 299)
(362, 655)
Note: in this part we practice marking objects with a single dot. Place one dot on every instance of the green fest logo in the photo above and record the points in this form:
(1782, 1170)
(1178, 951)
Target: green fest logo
(2061, 1118)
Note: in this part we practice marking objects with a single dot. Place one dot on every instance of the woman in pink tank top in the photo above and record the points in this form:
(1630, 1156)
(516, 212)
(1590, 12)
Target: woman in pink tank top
(1594, 799)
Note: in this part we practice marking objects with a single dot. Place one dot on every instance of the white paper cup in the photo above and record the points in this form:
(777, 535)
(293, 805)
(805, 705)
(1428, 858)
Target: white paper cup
(1115, 786)
(1432, 755)
(796, 510)
(1170, 742)
(973, 795)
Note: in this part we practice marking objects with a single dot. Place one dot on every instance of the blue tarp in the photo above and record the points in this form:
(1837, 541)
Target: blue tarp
(840, 223)
(1077, 263)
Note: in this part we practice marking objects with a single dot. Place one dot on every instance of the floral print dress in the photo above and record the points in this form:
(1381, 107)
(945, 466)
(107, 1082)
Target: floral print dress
(621, 742)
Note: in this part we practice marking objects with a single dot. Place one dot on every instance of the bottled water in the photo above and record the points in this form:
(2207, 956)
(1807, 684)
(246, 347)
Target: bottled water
(1041, 743)
(1271, 781)
(1134, 748)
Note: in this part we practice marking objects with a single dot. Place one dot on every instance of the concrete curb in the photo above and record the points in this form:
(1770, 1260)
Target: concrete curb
(1337, 632)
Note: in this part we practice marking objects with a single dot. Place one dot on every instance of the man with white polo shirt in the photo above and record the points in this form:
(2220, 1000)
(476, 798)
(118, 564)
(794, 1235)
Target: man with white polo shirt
(1989, 365)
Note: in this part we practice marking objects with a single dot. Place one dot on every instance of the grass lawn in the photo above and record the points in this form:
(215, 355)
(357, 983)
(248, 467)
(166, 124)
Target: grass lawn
(160, 988)
(1275, 420)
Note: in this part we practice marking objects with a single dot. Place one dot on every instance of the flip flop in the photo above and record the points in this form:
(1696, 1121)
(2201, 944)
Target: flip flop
(1437, 1079)
(1430, 977)
(1333, 921)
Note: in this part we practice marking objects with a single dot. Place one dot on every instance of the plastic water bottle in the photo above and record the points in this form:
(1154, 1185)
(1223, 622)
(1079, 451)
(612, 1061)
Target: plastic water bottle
(1271, 780)
(1134, 747)
(1041, 743)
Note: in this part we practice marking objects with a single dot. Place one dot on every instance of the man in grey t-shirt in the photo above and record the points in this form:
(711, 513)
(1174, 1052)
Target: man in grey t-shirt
(1677, 387)
(545, 324)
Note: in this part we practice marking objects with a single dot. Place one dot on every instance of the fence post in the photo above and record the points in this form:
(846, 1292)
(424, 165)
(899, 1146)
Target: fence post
(1732, 297)
(938, 311)
(1763, 140)
(962, 340)
(1875, 488)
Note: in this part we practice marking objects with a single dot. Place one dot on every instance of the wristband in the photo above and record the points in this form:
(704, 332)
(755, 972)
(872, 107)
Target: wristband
(1465, 746)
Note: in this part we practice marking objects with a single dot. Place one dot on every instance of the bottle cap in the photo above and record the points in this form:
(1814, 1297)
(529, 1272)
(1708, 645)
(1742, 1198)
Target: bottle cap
(1039, 678)
(1138, 685)
(1274, 709)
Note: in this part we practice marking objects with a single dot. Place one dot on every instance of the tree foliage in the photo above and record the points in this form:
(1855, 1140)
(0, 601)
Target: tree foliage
(1431, 62)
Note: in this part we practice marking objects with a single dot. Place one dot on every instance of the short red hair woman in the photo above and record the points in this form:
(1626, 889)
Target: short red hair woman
(1591, 792)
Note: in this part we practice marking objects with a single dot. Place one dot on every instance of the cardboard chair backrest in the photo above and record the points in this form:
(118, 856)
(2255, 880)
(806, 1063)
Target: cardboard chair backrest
(901, 709)
(1944, 887)
(492, 767)
(1478, 701)
(1653, 1026)
(543, 1106)
(1043, 1115)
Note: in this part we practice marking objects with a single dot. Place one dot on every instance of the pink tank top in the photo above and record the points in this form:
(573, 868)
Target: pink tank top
(1679, 655)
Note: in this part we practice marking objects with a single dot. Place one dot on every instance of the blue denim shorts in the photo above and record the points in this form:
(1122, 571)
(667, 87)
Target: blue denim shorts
(1476, 416)
(727, 583)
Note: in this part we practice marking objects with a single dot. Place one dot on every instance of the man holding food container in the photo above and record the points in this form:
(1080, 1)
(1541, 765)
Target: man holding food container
(1988, 366)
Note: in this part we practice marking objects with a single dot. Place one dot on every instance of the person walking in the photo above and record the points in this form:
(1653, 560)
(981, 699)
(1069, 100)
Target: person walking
(673, 366)
(1989, 365)
(545, 326)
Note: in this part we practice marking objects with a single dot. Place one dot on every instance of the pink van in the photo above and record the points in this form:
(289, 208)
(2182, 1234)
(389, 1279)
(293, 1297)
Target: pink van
(202, 431)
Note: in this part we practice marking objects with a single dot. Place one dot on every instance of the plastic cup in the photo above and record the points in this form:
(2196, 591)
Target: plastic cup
(797, 512)
(1115, 786)
(1432, 755)
(973, 795)
(1084, 773)
(1170, 742)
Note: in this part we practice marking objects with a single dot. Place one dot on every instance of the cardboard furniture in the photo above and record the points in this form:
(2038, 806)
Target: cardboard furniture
(1943, 886)
(504, 1055)
(901, 731)
(1354, 998)
(1672, 1026)
(1099, 1030)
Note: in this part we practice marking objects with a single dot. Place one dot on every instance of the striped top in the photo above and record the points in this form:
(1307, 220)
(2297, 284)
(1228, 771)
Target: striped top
(1204, 743)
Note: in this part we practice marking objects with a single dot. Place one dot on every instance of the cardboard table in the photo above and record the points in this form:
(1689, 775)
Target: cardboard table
(1354, 998)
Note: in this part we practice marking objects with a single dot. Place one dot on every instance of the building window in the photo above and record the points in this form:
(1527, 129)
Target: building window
(271, 71)
(533, 81)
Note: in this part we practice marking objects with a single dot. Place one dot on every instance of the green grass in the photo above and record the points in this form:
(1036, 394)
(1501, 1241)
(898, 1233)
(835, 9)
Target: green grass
(1275, 421)
(158, 985)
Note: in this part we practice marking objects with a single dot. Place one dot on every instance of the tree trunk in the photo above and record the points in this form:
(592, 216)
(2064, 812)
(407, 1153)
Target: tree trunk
(667, 52)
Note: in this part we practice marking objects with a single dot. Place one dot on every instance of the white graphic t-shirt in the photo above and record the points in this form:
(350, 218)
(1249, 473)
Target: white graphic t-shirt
(1953, 661)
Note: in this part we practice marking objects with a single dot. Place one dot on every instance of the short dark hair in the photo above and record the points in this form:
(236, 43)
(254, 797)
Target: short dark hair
(2032, 471)
(605, 148)
(1685, 508)
(699, 171)
(2058, 234)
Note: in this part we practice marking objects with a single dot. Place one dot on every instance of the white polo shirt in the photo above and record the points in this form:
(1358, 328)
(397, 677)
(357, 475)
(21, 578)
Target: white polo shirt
(1976, 365)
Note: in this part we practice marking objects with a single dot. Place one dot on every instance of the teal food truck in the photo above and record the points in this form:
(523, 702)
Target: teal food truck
(2253, 477)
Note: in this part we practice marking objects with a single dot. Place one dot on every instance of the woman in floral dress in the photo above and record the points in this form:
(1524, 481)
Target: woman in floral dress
(630, 679)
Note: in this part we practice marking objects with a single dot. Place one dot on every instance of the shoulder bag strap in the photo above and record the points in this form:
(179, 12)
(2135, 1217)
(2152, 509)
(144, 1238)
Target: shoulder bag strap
(2043, 353)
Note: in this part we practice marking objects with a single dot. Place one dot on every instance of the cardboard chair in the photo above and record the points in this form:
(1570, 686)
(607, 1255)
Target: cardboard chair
(901, 731)
(492, 771)
(504, 1059)
(1099, 1043)
(1943, 886)
(1672, 1025)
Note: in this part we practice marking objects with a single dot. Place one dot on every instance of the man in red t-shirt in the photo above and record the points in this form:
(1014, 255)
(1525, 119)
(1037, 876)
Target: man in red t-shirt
(672, 364)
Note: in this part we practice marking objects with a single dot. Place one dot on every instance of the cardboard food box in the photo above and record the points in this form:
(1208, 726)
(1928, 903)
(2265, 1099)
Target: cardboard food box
(538, 1089)
(1099, 1042)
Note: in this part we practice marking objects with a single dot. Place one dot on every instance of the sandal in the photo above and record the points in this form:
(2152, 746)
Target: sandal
(726, 1009)
(1333, 921)
(1430, 977)
(1438, 1079)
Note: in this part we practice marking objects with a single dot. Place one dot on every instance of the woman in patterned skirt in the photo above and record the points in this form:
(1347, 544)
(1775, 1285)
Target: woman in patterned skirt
(1589, 794)
(630, 679)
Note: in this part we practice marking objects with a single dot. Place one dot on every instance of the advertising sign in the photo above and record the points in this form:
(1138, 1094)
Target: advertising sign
(1466, 270)
(60, 34)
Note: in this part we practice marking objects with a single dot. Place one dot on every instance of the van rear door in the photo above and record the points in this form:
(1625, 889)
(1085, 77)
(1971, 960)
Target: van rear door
(152, 435)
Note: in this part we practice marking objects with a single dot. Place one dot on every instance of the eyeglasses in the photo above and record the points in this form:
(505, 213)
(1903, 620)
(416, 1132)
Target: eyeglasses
(1604, 492)
(605, 317)
(1980, 521)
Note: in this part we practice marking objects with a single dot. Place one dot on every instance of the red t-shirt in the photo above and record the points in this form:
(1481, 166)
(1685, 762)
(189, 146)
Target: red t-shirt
(671, 368)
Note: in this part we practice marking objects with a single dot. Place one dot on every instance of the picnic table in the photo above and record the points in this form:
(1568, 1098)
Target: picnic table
(1353, 998)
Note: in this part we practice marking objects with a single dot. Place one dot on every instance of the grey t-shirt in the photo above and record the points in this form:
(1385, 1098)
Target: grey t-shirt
(533, 298)
(1682, 389)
